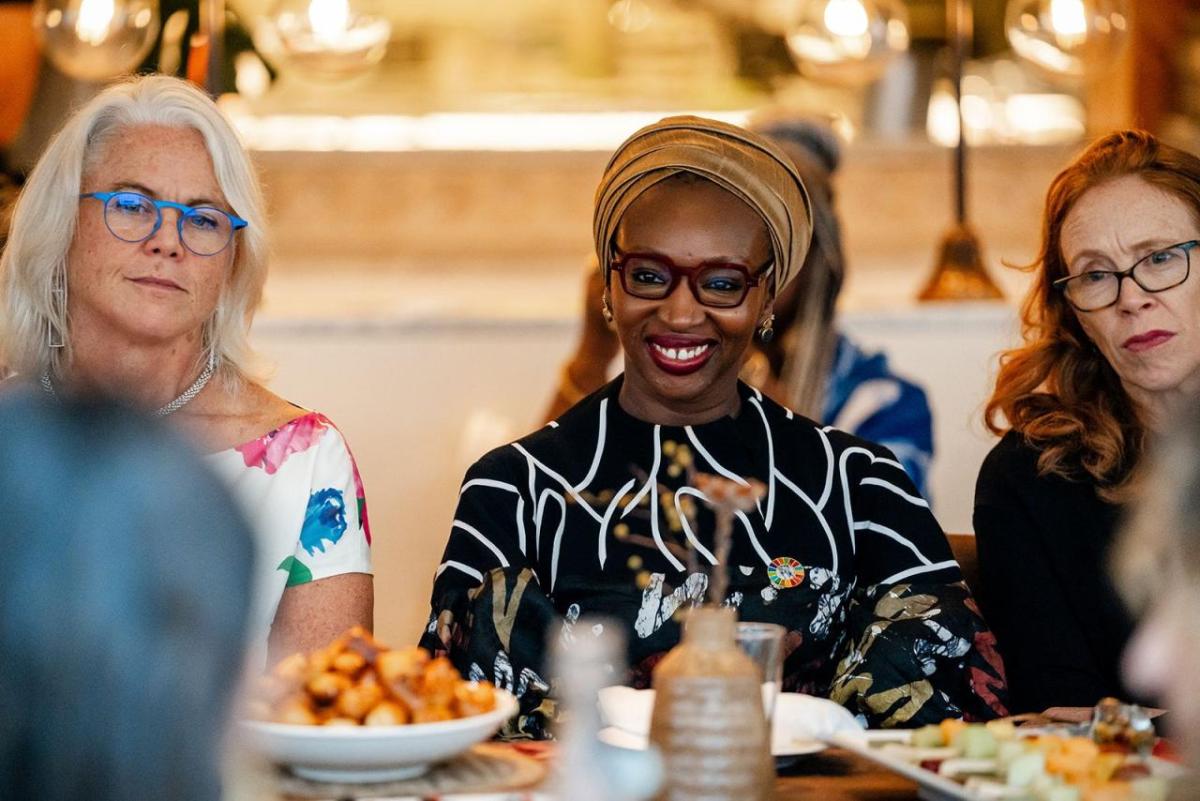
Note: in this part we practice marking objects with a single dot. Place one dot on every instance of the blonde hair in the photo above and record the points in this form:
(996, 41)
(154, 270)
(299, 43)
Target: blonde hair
(33, 269)
(1163, 532)
(1057, 390)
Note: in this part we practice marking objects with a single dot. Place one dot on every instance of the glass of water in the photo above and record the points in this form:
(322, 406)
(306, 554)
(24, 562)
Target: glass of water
(763, 643)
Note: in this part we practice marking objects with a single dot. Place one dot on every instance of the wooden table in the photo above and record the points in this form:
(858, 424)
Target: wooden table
(838, 775)
(832, 775)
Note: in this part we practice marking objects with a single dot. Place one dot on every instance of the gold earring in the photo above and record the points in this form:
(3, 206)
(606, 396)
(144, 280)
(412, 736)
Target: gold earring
(606, 308)
(766, 331)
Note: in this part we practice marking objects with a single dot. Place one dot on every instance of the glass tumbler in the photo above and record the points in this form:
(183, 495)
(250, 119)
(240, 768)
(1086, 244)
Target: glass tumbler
(763, 643)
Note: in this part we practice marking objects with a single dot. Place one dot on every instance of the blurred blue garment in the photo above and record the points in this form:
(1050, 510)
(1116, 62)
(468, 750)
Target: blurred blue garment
(866, 399)
(124, 584)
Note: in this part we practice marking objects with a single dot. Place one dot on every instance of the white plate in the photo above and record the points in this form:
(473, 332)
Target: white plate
(934, 786)
(373, 753)
(620, 738)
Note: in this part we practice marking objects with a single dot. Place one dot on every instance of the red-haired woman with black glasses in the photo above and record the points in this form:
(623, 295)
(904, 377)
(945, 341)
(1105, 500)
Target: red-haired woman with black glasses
(1112, 346)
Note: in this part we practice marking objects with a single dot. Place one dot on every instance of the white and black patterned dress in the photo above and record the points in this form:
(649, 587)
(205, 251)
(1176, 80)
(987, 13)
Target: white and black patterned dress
(595, 514)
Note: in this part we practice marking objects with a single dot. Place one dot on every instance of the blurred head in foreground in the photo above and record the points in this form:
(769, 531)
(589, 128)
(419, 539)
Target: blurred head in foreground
(124, 582)
(1157, 565)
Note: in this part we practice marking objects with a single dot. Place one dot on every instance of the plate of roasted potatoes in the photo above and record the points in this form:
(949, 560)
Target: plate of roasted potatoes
(358, 711)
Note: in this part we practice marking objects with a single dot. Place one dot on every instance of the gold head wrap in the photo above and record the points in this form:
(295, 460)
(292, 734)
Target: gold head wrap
(735, 159)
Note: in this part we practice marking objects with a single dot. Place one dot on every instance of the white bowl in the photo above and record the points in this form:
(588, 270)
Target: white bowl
(373, 753)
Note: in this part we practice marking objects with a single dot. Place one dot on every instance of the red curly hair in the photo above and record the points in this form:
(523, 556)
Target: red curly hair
(1057, 390)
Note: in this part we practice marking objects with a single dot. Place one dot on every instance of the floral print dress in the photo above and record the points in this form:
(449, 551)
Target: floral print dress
(599, 513)
(300, 489)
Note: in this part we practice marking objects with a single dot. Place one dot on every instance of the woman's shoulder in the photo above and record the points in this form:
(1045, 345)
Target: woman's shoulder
(556, 444)
(1013, 459)
(799, 445)
(267, 430)
(1010, 477)
(793, 427)
(775, 413)
(541, 445)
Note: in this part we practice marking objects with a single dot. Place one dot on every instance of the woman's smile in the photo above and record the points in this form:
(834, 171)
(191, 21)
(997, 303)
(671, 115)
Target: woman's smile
(680, 355)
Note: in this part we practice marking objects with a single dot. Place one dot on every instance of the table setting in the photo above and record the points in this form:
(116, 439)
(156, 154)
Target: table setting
(358, 719)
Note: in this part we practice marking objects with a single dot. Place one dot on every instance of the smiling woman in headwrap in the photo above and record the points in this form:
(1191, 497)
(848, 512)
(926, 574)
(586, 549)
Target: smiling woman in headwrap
(698, 224)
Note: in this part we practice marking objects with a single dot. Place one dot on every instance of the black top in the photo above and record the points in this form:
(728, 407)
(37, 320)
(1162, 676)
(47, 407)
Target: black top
(1043, 547)
(596, 513)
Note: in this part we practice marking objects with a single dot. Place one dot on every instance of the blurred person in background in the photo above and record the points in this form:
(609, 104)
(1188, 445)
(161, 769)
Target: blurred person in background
(1112, 347)
(807, 365)
(125, 583)
(135, 262)
(699, 226)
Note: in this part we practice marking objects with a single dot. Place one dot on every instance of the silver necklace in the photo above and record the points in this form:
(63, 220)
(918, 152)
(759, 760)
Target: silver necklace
(174, 406)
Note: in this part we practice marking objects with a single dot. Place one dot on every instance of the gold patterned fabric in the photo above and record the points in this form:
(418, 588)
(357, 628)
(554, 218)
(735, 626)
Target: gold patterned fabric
(742, 162)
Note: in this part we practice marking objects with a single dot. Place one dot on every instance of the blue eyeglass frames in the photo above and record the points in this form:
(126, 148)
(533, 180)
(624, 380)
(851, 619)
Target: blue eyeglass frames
(133, 217)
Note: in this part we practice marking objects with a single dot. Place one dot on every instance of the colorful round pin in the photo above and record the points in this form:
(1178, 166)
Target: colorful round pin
(785, 572)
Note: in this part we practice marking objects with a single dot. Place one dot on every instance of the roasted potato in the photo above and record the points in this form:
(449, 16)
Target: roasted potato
(388, 713)
(296, 711)
(355, 680)
(324, 688)
(355, 702)
(474, 698)
(439, 682)
(404, 665)
(432, 713)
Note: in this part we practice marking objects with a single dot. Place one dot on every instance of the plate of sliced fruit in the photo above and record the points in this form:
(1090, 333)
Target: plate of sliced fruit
(997, 761)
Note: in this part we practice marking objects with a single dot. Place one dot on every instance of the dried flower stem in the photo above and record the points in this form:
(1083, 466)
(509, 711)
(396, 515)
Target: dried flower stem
(718, 586)
(726, 497)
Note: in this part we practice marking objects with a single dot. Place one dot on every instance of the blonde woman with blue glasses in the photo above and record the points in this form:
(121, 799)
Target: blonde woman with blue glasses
(135, 262)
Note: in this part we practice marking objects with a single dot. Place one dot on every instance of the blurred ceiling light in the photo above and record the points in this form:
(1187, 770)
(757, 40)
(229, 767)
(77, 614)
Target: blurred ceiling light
(1068, 19)
(978, 118)
(462, 131)
(324, 39)
(941, 121)
(170, 50)
(329, 20)
(93, 40)
(95, 16)
(630, 16)
(846, 41)
(992, 115)
(251, 77)
(843, 126)
(846, 19)
(1045, 118)
(1065, 37)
